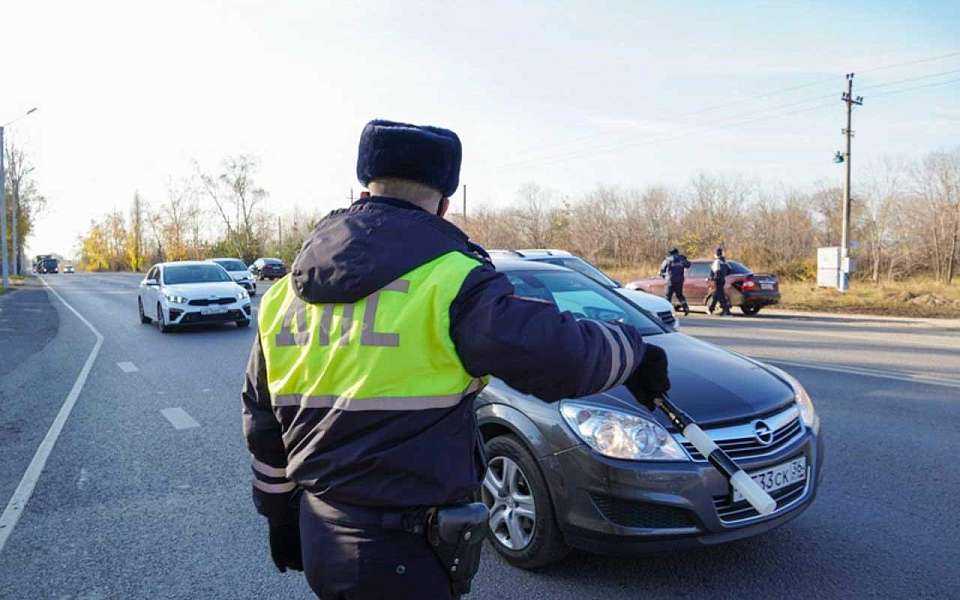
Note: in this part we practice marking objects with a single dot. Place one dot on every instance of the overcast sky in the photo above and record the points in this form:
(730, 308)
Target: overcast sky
(567, 94)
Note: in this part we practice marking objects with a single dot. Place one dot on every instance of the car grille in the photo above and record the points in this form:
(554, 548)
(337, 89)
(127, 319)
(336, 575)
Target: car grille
(740, 442)
(733, 512)
(667, 317)
(627, 513)
(214, 301)
(195, 317)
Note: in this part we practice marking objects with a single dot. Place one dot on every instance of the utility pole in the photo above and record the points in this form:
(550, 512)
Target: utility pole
(3, 217)
(844, 281)
(464, 205)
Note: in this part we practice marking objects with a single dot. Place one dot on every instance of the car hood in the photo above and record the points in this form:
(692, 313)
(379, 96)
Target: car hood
(239, 275)
(711, 384)
(654, 304)
(218, 289)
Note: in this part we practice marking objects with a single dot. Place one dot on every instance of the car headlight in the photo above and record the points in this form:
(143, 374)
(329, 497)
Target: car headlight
(242, 295)
(175, 299)
(621, 435)
(807, 412)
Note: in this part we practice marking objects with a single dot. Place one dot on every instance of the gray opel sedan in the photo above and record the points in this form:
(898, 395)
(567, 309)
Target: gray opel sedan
(604, 474)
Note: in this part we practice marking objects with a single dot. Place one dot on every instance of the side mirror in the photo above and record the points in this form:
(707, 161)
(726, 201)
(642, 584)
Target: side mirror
(151, 282)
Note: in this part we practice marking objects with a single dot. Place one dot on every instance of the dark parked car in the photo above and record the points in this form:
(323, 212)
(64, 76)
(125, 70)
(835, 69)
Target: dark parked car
(604, 474)
(746, 289)
(268, 268)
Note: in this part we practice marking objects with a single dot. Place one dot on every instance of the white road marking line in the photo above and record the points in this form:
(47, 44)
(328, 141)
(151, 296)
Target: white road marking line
(21, 495)
(84, 479)
(925, 379)
(127, 367)
(179, 418)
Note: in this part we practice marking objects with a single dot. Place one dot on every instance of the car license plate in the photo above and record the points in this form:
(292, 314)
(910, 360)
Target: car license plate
(215, 310)
(766, 286)
(779, 476)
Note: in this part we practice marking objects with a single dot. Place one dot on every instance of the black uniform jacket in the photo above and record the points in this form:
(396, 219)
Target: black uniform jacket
(431, 457)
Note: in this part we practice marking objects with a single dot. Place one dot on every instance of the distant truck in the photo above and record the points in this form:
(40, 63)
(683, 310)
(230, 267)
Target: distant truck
(47, 264)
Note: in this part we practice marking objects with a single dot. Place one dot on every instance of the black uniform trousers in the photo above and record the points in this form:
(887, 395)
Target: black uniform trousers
(355, 553)
(720, 297)
(675, 287)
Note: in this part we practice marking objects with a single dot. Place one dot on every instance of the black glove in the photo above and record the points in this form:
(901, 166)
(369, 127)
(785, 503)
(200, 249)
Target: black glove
(285, 545)
(650, 379)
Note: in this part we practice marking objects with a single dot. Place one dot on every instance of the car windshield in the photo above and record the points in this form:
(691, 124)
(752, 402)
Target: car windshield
(581, 266)
(231, 265)
(581, 296)
(178, 274)
(272, 261)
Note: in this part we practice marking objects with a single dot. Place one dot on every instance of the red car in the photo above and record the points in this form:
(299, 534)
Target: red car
(746, 289)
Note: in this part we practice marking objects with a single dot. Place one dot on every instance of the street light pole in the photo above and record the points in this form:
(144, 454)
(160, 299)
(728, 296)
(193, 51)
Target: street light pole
(3, 216)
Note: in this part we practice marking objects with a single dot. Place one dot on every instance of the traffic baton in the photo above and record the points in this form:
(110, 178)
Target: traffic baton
(738, 478)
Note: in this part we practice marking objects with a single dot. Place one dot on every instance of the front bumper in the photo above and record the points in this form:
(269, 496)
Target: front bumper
(182, 314)
(621, 507)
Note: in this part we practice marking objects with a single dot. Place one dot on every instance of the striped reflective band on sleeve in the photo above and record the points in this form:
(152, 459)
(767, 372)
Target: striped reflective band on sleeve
(382, 403)
(274, 488)
(262, 467)
(629, 361)
(614, 354)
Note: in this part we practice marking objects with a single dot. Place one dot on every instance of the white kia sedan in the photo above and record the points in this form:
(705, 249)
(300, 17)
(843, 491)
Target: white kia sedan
(191, 293)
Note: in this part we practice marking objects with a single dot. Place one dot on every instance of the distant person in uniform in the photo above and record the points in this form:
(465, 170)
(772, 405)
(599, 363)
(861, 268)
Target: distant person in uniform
(718, 279)
(673, 269)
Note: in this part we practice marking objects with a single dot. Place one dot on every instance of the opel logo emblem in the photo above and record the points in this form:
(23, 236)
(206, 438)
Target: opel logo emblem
(763, 433)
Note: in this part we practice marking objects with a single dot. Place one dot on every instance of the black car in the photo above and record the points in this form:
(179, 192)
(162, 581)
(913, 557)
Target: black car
(604, 474)
(268, 268)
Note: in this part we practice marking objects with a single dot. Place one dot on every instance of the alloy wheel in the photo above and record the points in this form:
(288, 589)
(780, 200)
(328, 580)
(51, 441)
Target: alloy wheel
(507, 494)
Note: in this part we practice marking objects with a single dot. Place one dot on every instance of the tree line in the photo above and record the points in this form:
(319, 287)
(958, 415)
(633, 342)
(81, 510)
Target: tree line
(905, 221)
(22, 198)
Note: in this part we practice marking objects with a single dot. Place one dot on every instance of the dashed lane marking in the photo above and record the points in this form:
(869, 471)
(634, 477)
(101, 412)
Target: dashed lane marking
(179, 418)
(21, 495)
(127, 367)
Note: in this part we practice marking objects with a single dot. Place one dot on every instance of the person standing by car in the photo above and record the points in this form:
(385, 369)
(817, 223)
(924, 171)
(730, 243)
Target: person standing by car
(718, 279)
(358, 399)
(673, 269)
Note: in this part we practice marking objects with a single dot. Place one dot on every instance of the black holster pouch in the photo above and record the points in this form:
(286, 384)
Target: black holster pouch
(456, 535)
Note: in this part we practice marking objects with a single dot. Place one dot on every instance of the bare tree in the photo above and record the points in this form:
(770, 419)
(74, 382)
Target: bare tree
(236, 198)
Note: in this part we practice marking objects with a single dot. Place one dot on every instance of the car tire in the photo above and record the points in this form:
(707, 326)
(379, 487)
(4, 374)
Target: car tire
(243, 323)
(144, 319)
(544, 544)
(161, 322)
(749, 310)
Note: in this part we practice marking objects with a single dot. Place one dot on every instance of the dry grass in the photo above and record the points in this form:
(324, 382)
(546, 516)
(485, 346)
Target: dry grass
(917, 297)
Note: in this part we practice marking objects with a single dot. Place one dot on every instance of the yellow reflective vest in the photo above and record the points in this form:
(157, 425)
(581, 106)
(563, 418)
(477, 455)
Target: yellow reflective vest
(389, 351)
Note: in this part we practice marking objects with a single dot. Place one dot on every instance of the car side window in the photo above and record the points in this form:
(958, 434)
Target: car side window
(698, 270)
(152, 274)
(530, 288)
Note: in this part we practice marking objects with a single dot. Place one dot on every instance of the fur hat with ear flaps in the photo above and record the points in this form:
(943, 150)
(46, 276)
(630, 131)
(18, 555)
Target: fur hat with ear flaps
(427, 155)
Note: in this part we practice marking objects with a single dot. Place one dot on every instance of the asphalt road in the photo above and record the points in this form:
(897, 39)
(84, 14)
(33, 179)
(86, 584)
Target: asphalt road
(129, 506)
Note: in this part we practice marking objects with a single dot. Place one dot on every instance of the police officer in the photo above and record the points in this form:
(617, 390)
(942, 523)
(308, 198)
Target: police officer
(358, 400)
(673, 269)
(718, 277)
